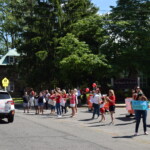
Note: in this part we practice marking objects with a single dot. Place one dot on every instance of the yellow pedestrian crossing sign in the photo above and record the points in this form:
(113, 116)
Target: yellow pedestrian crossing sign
(5, 82)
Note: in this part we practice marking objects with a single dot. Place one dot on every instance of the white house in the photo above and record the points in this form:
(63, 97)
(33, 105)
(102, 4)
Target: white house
(6, 64)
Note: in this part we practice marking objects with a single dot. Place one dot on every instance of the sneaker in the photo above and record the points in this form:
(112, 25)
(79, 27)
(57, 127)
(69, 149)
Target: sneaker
(136, 134)
(146, 133)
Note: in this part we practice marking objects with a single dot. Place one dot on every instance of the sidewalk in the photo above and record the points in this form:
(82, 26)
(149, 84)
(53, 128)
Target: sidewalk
(117, 105)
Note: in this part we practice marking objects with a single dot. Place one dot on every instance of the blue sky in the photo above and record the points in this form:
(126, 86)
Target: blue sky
(104, 5)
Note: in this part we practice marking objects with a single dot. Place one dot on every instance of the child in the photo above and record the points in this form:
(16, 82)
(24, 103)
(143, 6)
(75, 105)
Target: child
(102, 109)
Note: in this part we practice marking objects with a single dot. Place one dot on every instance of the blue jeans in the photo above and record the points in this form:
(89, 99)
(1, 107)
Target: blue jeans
(96, 110)
(140, 114)
(58, 109)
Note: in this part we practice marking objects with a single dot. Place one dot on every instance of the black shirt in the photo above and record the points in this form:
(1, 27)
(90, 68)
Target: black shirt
(26, 99)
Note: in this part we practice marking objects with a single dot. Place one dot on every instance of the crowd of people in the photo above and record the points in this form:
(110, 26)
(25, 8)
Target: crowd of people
(59, 101)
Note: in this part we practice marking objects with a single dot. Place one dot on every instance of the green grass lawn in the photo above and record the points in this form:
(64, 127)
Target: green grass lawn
(18, 100)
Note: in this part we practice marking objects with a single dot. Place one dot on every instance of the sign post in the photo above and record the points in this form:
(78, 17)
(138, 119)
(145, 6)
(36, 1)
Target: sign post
(5, 83)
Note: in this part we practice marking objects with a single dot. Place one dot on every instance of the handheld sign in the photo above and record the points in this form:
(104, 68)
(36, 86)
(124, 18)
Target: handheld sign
(140, 105)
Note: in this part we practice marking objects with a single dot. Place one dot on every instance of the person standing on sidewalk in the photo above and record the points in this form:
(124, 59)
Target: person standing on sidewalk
(58, 100)
(72, 98)
(31, 98)
(141, 114)
(96, 102)
(47, 95)
(41, 102)
(112, 101)
(76, 101)
(36, 104)
(26, 102)
(63, 102)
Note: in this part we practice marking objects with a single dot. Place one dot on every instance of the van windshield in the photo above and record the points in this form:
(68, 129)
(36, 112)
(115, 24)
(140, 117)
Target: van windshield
(4, 95)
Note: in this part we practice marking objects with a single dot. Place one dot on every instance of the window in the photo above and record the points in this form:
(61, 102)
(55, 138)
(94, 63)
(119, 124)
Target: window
(11, 59)
(4, 95)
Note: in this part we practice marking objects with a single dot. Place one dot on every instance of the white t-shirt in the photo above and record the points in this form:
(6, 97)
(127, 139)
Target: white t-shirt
(96, 98)
(36, 101)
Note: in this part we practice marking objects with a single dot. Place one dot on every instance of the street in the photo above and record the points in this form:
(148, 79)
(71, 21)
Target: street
(42, 132)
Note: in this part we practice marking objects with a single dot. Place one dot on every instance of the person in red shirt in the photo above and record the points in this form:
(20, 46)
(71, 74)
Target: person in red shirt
(102, 108)
(112, 101)
(58, 99)
(63, 102)
(72, 102)
(52, 101)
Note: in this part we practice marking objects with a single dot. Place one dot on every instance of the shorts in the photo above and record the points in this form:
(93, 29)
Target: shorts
(25, 104)
(102, 110)
(52, 107)
(72, 105)
(41, 104)
(112, 108)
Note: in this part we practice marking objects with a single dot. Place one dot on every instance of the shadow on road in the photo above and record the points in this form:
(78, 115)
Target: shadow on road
(148, 126)
(86, 112)
(98, 125)
(93, 122)
(123, 124)
(3, 122)
(125, 118)
(86, 119)
(126, 137)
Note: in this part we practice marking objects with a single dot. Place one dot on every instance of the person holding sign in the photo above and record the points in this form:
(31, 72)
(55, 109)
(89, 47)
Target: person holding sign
(141, 114)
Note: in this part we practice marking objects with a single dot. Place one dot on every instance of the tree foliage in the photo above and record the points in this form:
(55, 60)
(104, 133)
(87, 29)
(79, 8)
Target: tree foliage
(65, 42)
(128, 45)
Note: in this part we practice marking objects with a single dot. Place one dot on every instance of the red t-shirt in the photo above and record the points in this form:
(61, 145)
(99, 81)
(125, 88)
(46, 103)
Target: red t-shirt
(52, 97)
(58, 98)
(113, 98)
(64, 96)
(72, 99)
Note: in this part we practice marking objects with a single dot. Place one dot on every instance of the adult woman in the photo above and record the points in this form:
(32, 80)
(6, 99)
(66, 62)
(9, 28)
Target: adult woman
(26, 102)
(41, 102)
(58, 98)
(112, 100)
(63, 102)
(76, 100)
(141, 114)
(96, 102)
(52, 101)
(36, 104)
(72, 103)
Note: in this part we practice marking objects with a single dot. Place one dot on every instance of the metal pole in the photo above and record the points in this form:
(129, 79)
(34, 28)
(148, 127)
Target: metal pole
(138, 81)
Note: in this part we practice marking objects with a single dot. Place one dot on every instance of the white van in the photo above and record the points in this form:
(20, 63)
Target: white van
(7, 108)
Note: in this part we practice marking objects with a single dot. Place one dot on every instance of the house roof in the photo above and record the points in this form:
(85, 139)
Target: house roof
(11, 52)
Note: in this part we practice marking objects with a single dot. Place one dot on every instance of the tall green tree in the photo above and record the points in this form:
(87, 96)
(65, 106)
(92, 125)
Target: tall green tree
(128, 46)
(78, 63)
(8, 25)
(44, 24)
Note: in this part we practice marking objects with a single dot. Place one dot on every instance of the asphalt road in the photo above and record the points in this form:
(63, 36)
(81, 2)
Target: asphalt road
(42, 132)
